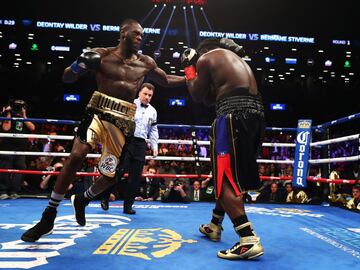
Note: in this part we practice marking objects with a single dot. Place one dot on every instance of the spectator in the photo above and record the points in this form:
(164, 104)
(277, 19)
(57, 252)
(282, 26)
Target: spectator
(275, 195)
(10, 184)
(176, 192)
(48, 181)
(196, 192)
(150, 163)
(208, 186)
(353, 172)
(273, 171)
(149, 188)
(295, 195)
(354, 202)
(167, 169)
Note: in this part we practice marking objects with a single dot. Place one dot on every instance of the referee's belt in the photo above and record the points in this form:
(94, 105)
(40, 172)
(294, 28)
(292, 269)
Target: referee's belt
(116, 111)
(137, 139)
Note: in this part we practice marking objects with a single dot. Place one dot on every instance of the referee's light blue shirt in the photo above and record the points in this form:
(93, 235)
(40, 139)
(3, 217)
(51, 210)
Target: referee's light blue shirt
(146, 124)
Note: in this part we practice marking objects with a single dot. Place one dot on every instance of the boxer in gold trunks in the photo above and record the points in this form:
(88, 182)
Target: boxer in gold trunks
(108, 118)
(216, 74)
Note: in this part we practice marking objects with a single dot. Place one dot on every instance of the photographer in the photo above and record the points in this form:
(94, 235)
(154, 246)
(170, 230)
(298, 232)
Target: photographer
(11, 184)
(176, 191)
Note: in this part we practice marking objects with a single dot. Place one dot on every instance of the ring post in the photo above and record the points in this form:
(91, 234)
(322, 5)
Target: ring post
(301, 168)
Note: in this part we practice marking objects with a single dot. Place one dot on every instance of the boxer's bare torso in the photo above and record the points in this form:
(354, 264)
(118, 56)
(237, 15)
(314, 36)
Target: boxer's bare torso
(220, 71)
(122, 69)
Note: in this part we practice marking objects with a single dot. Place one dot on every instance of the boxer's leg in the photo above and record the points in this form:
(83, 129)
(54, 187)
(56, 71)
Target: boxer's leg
(80, 201)
(214, 228)
(112, 140)
(236, 169)
(249, 246)
(66, 176)
(81, 147)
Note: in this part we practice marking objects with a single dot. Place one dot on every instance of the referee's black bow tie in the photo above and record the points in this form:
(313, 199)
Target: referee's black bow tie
(144, 105)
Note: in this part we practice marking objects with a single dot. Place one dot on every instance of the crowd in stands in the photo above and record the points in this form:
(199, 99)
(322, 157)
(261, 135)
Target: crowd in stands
(185, 189)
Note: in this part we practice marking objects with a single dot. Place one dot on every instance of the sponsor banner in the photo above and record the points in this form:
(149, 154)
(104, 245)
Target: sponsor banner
(303, 138)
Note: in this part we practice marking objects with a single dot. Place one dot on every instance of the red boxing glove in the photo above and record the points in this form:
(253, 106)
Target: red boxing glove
(190, 73)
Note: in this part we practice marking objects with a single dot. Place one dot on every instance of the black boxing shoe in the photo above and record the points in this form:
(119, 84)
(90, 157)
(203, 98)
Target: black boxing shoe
(129, 211)
(104, 204)
(79, 202)
(42, 228)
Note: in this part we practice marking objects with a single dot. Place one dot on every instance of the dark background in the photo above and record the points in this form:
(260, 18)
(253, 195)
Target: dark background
(316, 95)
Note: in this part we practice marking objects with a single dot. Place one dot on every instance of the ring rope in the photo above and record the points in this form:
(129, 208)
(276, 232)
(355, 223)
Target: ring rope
(71, 137)
(98, 174)
(338, 159)
(192, 176)
(336, 140)
(338, 121)
(72, 122)
(67, 137)
(320, 127)
(170, 158)
(190, 142)
(311, 179)
(60, 154)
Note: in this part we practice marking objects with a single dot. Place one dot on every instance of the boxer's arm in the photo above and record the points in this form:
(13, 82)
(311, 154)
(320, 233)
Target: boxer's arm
(89, 60)
(69, 76)
(201, 84)
(159, 76)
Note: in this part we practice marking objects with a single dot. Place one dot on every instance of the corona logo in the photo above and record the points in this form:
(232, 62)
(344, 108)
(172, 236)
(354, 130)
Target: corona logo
(145, 244)
(304, 124)
(303, 137)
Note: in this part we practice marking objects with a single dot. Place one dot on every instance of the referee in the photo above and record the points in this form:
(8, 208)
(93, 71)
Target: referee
(146, 128)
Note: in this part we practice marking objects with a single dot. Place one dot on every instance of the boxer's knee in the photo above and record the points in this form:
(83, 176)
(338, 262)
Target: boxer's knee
(77, 157)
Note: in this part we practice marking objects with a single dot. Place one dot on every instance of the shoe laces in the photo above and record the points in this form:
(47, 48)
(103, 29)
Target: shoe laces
(236, 246)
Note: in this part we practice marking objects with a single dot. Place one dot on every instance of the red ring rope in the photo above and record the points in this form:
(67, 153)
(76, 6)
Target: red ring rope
(263, 178)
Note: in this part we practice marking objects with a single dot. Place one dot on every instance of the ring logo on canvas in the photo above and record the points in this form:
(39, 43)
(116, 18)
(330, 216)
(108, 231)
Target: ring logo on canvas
(146, 244)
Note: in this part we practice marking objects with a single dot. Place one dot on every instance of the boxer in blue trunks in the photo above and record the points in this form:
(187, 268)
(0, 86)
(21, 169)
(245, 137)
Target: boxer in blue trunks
(216, 74)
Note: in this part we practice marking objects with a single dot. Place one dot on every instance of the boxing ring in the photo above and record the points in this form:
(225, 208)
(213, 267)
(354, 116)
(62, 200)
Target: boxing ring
(163, 236)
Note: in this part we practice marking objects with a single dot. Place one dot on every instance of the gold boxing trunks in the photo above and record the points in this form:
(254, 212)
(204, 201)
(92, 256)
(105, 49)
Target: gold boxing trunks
(116, 111)
(113, 120)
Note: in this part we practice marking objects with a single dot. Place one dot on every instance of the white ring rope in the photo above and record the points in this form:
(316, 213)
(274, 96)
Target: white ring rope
(57, 154)
(166, 158)
(67, 137)
(278, 144)
(336, 140)
(36, 136)
(338, 159)
(288, 161)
